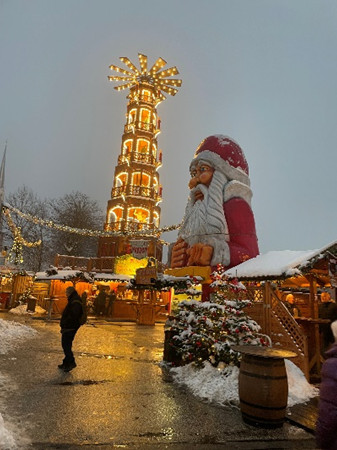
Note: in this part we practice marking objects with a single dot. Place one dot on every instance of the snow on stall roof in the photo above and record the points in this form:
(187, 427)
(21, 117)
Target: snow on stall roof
(64, 274)
(68, 274)
(173, 278)
(275, 263)
(111, 277)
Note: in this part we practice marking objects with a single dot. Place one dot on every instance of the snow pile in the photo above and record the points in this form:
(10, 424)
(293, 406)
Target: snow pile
(209, 383)
(22, 309)
(221, 386)
(6, 438)
(300, 390)
(11, 333)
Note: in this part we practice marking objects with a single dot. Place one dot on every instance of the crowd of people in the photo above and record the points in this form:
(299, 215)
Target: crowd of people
(100, 302)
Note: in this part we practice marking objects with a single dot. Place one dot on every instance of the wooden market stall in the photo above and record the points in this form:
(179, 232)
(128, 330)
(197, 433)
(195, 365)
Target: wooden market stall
(305, 274)
(143, 306)
(14, 283)
(50, 287)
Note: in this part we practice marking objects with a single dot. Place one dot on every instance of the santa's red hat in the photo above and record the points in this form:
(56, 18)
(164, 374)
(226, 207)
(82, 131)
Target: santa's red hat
(224, 154)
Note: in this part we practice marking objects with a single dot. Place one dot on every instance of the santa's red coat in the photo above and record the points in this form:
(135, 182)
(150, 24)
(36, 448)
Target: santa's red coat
(242, 241)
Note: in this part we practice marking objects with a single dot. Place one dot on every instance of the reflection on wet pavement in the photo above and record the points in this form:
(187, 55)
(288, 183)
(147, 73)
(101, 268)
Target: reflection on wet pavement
(118, 395)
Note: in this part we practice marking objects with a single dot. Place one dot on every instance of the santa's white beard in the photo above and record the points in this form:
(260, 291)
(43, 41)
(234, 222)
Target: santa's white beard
(205, 222)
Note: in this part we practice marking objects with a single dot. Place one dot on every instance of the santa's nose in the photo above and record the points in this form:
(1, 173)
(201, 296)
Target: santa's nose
(193, 182)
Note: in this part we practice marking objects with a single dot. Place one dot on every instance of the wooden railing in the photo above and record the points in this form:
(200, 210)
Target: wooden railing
(143, 158)
(295, 338)
(102, 264)
(136, 190)
(288, 322)
(130, 225)
(75, 262)
(277, 322)
(139, 157)
(143, 126)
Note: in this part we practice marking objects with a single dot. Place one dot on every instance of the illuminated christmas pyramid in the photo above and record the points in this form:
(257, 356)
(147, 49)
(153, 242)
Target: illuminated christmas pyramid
(133, 211)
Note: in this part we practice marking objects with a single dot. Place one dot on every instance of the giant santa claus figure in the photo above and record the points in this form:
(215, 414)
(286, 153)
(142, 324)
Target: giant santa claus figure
(218, 226)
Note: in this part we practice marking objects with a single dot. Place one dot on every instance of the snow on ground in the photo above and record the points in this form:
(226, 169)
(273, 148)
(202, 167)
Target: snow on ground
(22, 310)
(210, 383)
(6, 438)
(11, 334)
(221, 386)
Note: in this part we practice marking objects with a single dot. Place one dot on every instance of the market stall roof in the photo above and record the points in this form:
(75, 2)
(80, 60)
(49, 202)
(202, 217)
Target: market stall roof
(63, 275)
(110, 277)
(280, 264)
(168, 278)
(8, 269)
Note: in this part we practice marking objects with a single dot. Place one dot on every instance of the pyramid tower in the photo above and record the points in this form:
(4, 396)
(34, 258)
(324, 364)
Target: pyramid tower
(133, 211)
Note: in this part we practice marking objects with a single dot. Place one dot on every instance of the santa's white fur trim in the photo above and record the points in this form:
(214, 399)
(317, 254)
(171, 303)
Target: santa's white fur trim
(219, 163)
(237, 189)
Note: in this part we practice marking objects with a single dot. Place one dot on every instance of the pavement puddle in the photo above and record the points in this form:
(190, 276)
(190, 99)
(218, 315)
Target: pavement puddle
(81, 382)
(100, 356)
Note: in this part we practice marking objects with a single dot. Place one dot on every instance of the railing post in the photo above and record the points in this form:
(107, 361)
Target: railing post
(267, 304)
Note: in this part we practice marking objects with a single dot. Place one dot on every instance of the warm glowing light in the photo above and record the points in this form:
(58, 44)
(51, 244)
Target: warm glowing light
(128, 265)
(152, 77)
(157, 66)
(143, 62)
(128, 63)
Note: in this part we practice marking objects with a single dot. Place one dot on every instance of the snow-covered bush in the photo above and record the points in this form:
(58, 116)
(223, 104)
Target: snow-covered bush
(207, 331)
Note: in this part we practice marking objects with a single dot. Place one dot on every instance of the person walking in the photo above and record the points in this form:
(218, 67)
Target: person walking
(70, 323)
(111, 302)
(100, 302)
(84, 298)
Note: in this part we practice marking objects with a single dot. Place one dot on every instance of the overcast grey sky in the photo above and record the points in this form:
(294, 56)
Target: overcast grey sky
(263, 72)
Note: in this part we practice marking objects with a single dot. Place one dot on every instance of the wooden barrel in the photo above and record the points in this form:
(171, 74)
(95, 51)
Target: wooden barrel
(263, 390)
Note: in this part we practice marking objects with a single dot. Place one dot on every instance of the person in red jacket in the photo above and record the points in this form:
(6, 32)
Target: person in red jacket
(326, 426)
(218, 226)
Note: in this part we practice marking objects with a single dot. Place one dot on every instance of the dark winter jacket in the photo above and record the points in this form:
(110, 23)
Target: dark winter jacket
(326, 427)
(72, 313)
(327, 310)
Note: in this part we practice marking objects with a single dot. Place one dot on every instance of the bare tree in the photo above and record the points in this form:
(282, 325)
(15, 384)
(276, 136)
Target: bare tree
(26, 201)
(76, 210)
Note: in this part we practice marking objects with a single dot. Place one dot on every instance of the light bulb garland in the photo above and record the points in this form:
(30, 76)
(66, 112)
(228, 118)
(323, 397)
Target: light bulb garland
(17, 231)
(15, 254)
(82, 231)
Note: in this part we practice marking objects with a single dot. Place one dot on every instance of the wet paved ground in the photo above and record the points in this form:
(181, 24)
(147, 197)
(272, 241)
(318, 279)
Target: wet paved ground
(117, 397)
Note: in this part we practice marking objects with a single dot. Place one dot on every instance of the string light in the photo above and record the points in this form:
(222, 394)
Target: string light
(153, 77)
(17, 232)
(85, 232)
